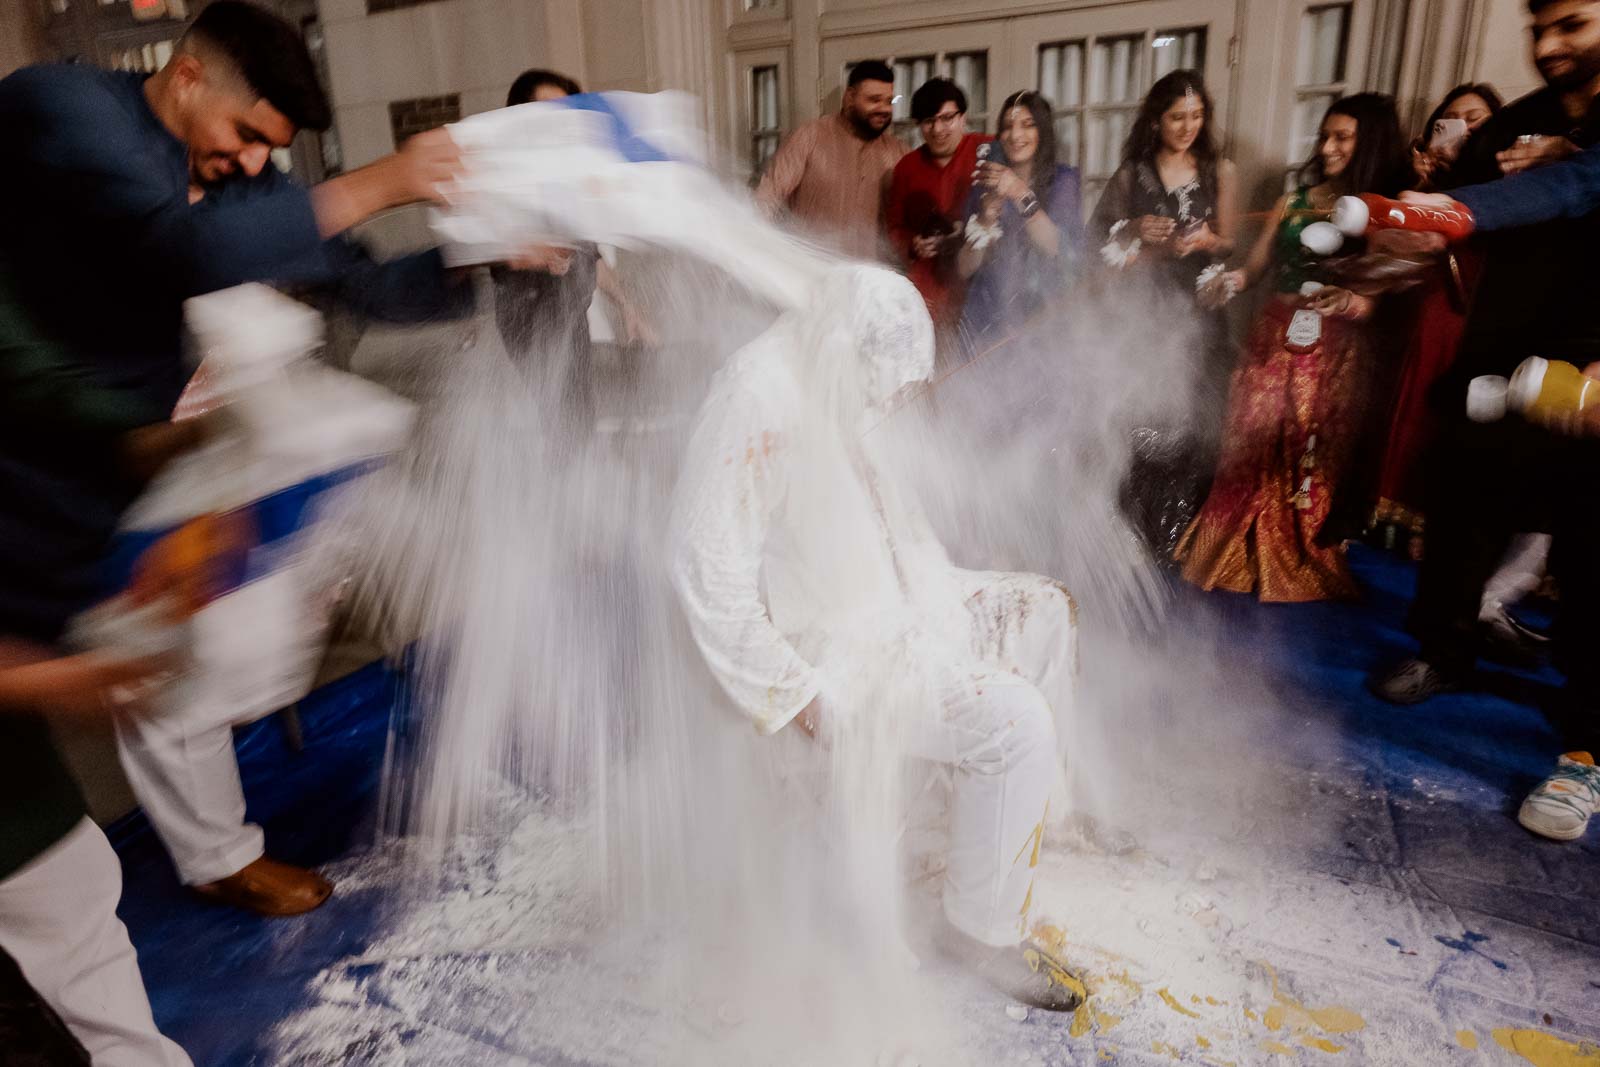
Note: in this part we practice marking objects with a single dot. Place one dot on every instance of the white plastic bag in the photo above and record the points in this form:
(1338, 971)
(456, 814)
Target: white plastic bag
(284, 432)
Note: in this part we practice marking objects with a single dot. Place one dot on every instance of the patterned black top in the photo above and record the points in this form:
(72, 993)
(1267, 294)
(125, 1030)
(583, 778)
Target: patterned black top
(1136, 190)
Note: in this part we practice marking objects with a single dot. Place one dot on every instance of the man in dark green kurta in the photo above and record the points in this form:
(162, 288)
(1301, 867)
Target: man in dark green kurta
(59, 879)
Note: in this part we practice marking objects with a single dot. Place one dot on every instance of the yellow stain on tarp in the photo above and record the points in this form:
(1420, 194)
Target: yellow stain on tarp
(1252, 1016)
(1322, 1044)
(1050, 936)
(1202, 1042)
(1128, 983)
(1056, 975)
(1172, 1002)
(1086, 1018)
(1466, 1039)
(1547, 1050)
(1215, 1003)
(1276, 1048)
(1333, 1020)
(1106, 1053)
(1336, 1020)
(1165, 1050)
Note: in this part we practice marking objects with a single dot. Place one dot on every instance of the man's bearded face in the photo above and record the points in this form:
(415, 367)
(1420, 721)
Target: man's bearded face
(870, 107)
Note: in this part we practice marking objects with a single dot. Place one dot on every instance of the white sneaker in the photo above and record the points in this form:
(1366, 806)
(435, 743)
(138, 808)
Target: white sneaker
(1560, 807)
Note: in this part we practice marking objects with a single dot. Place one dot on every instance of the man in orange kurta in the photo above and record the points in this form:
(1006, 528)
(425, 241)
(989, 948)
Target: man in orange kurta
(832, 172)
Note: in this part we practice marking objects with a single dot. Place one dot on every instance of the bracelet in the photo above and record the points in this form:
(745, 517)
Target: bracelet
(1028, 206)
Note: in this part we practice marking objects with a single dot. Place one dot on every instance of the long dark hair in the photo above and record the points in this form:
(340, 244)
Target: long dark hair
(1378, 164)
(1044, 157)
(531, 81)
(1483, 90)
(1144, 139)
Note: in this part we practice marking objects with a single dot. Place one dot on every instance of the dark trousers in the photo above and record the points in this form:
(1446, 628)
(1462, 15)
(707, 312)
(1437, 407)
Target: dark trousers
(31, 1033)
(1483, 484)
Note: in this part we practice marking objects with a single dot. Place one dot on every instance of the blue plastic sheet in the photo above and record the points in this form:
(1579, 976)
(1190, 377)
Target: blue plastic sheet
(219, 979)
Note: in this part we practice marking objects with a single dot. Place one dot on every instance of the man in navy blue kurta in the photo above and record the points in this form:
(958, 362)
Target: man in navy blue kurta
(126, 195)
(1566, 190)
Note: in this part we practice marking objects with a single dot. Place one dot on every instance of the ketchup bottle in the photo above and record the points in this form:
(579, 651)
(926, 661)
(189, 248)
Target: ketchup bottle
(1357, 216)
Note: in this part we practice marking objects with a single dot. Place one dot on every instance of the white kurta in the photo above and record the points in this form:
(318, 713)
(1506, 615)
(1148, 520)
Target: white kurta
(804, 570)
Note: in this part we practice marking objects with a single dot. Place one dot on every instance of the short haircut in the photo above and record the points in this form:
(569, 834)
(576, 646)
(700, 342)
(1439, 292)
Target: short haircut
(870, 70)
(935, 93)
(530, 82)
(271, 57)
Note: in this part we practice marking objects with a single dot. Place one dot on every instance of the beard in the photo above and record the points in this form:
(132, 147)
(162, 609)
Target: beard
(864, 127)
(1584, 68)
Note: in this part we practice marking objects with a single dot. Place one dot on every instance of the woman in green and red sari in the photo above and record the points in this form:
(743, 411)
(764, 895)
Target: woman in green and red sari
(1296, 410)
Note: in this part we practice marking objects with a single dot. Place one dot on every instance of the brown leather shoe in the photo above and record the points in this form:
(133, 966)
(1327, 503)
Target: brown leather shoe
(270, 888)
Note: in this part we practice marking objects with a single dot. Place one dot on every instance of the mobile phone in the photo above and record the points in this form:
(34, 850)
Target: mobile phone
(989, 152)
(1447, 137)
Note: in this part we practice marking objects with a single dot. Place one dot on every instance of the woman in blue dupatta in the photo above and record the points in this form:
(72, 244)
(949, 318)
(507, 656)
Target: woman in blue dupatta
(1024, 232)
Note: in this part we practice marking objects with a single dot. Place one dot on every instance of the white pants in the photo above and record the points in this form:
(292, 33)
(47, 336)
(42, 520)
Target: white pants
(997, 732)
(254, 651)
(58, 920)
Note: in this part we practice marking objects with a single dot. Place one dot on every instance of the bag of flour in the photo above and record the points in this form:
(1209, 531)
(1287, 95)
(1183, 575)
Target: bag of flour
(221, 560)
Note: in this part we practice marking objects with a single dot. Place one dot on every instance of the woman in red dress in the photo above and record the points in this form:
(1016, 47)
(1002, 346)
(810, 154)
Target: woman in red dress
(1440, 317)
(1296, 407)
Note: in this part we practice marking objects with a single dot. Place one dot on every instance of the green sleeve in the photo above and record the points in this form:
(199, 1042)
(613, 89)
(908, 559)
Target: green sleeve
(41, 386)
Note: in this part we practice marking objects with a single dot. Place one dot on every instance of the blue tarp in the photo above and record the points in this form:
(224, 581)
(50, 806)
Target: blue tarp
(220, 979)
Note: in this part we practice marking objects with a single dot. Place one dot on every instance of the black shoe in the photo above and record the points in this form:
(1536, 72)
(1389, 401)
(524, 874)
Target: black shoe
(1412, 682)
(1028, 972)
(1505, 640)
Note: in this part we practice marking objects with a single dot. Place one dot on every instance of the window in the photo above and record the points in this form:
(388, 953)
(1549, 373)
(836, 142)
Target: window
(1116, 83)
(763, 5)
(1061, 83)
(909, 74)
(1319, 72)
(1095, 86)
(1177, 50)
(970, 70)
(766, 125)
(146, 58)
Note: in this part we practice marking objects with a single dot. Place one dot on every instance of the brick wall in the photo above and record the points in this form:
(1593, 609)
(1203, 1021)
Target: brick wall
(410, 117)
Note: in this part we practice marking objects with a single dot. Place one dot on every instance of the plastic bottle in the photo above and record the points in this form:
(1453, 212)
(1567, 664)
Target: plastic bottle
(1357, 216)
(1552, 394)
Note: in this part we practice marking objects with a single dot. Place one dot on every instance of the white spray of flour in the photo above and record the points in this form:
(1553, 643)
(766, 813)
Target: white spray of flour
(686, 892)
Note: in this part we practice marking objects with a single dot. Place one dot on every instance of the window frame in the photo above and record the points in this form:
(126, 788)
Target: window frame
(1088, 110)
(745, 65)
(1303, 92)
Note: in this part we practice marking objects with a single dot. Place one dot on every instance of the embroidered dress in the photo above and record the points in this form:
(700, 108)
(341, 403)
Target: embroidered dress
(1294, 413)
(1172, 463)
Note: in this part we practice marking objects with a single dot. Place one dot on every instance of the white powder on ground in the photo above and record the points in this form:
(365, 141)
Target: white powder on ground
(1222, 953)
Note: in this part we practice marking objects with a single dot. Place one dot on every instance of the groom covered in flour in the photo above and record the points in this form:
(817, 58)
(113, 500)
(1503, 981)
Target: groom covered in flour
(823, 602)
(812, 581)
